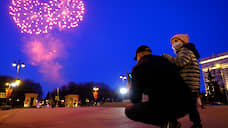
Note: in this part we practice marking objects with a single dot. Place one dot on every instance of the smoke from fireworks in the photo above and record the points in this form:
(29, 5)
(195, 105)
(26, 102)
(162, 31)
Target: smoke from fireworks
(34, 17)
(45, 56)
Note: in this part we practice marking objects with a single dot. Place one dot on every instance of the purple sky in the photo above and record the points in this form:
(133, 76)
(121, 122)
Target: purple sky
(104, 44)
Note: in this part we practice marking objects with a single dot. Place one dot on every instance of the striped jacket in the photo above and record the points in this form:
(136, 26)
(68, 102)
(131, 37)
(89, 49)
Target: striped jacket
(188, 66)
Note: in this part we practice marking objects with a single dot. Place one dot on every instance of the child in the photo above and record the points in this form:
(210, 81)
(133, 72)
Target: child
(188, 65)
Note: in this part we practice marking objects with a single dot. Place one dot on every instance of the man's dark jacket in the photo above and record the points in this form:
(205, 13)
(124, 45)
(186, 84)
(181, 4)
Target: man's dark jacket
(157, 77)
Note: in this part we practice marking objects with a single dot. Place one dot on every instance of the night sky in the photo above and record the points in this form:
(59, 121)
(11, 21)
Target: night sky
(104, 44)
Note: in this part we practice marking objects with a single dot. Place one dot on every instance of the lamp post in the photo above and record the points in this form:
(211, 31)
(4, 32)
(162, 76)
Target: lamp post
(95, 93)
(18, 65)
(123, 90)
(123, 77)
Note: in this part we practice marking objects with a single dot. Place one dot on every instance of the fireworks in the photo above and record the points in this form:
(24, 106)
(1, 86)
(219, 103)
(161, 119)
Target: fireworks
(34, 17)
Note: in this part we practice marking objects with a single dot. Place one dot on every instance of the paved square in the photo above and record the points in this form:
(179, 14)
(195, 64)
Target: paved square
(97, 117)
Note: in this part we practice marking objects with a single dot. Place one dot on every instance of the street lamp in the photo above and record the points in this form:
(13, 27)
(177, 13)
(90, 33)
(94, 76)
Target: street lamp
(123, 91)
(13, 84)
(18, 64)
(95, 89)
(123, 77)
(18, 82)
(95, 93)
(7, 84)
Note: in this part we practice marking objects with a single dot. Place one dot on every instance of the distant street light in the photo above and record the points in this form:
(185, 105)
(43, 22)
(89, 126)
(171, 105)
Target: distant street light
(7, 84)
(18, 82)
(18, 64)
(95, 89)
(13, 84)
(123, 91)
(95, 93)
(9, 90)
(123, 77)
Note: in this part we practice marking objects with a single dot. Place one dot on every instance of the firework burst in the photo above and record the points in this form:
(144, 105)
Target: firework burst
(34, 17)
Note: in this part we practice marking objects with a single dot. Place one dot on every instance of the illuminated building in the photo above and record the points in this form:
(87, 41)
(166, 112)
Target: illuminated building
(71, 100)
(217, 65)
(30, 99)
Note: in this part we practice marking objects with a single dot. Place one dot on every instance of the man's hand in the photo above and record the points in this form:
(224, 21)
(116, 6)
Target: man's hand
(166, 56)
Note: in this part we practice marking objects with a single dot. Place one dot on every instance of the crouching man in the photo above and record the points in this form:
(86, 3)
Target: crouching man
(169, 96)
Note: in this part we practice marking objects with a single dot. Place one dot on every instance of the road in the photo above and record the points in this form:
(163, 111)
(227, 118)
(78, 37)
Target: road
(97, 117)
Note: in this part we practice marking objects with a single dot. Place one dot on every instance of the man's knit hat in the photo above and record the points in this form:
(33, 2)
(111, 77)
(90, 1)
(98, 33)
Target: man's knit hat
(182, 37)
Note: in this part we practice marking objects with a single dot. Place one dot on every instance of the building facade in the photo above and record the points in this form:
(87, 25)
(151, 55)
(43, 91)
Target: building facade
(71, 100)
(217, 66)
(30, 100)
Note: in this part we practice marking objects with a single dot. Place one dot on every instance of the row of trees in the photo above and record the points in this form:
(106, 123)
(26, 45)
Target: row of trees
(84, 90)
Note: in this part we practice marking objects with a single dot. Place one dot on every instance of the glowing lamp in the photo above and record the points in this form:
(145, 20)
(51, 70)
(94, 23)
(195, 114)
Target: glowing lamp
(14, 64)
(95, 89)
(7, 84)
(123, 91)
(22, 65)
(17, 82)
(13, 84)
